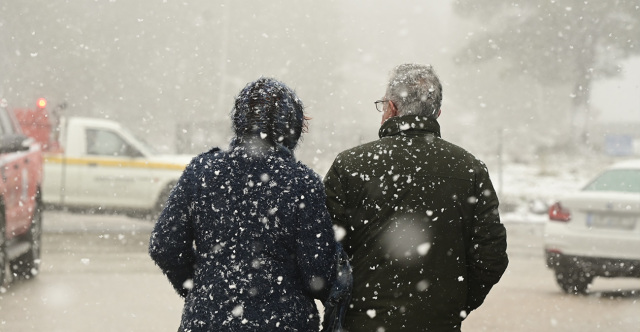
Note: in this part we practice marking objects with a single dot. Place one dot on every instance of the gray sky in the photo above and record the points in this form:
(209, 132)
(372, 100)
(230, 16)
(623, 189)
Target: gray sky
(618, 100)
(156, 63)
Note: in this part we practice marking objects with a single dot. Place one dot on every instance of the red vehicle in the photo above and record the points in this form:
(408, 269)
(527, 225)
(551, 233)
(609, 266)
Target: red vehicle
(20, 199)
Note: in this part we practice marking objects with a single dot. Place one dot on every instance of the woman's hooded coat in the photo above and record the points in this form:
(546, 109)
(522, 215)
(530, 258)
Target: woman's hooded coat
(245, 236)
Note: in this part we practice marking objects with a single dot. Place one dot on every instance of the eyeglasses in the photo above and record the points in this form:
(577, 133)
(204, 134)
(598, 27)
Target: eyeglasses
(380, 104)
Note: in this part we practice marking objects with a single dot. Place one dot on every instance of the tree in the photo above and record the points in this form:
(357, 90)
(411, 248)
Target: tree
(556, 42)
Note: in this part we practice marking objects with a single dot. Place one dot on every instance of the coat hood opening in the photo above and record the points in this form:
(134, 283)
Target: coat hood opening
(269, 111)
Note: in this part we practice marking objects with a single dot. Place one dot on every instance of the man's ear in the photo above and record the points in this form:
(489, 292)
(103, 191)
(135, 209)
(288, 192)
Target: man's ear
(393, 109)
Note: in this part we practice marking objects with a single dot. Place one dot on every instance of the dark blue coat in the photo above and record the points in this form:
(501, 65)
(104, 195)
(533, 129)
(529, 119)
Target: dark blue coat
(247, 240)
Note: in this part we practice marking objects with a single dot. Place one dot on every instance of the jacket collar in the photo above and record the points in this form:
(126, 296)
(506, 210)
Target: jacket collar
(257, 148)
(409, 125)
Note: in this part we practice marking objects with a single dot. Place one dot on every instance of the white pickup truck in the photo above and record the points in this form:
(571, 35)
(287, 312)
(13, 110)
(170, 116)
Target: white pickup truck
(98, 164)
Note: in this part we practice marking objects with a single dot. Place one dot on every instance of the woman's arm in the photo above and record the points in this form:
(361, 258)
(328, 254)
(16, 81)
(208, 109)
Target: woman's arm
(316, 244)
(171, 242)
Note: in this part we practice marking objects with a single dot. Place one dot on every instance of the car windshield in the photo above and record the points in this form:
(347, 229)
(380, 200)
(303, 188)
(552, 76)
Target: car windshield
(622, 180)
(148, 147)
(152, 149)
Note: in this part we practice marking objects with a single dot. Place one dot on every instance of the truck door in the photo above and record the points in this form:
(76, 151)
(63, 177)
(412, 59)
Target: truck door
(14, 175)
(113, 170)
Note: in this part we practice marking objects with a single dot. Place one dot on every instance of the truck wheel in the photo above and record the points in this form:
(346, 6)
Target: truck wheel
(572, 280)
(3, 246)
(27, 265)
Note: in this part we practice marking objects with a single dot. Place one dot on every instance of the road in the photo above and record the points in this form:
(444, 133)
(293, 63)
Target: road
(527, 298)
(96, 276)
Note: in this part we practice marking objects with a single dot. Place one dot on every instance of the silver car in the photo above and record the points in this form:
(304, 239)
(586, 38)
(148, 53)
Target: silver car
(595, 232)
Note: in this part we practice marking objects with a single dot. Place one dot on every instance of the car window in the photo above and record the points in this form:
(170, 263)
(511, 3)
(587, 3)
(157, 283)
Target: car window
(5, 123)
(108, 143)
(624, 180)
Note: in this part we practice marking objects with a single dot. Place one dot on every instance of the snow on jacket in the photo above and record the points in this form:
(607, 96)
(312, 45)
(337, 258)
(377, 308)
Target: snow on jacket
(422, 228)
(247, 240)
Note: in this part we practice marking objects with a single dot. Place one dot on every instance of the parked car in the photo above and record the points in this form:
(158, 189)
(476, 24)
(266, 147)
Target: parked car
(595, 232)
(20, 200)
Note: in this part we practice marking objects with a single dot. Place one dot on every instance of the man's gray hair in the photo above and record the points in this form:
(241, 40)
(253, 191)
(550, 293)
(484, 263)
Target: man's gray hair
(415, 90)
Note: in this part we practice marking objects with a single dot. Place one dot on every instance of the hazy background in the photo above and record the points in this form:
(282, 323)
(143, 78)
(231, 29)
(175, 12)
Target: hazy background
(170, 69)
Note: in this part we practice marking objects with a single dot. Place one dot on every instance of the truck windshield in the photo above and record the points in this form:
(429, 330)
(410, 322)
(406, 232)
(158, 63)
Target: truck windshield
(148, 147)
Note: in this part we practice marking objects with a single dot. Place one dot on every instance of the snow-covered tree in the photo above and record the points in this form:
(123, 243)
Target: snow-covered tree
(555, 41)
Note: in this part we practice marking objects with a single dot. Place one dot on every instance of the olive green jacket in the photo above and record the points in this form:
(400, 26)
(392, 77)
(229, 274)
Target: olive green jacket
(422, 228)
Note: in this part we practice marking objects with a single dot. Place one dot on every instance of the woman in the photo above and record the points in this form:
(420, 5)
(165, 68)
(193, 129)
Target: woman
(245, 236)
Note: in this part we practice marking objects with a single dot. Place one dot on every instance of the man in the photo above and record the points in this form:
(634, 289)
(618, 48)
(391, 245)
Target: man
(420, 216)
